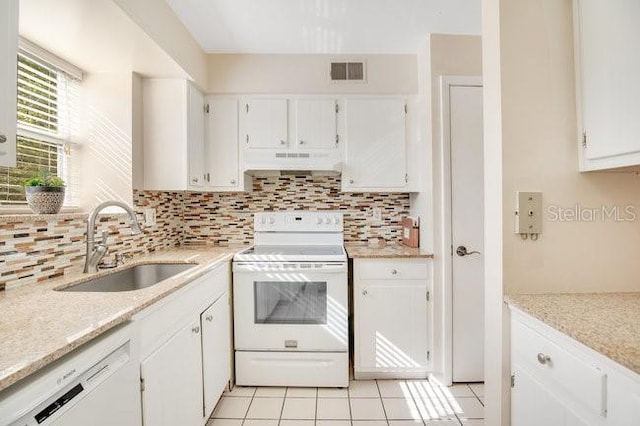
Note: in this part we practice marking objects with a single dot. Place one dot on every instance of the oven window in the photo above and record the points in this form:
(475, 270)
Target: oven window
(286, 302)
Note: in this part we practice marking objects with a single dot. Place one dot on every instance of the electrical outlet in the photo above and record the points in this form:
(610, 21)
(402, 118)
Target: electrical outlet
(149, 216)
(376, 215)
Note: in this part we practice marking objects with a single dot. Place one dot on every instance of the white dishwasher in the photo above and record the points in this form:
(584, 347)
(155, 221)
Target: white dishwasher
(97, 384)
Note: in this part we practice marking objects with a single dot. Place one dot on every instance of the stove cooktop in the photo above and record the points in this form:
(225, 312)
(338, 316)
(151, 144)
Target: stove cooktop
(311, 253)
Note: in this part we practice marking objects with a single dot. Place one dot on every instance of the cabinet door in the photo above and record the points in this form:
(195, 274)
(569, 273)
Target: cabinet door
(222, 142)
(172, 378)
(316, 124)
(391, 325)
(216, 351)
(533, 405)
(8, 81)
(375, 144)
(165, 128)
(195, 138)
(609, 66)
(265, 123)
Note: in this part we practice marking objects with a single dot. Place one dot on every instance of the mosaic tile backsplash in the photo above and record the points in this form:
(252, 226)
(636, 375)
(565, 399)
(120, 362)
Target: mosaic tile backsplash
(37, 248)
(227, 218)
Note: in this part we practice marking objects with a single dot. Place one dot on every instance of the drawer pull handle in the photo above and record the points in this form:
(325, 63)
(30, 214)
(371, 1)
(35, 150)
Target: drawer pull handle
(544, 359)
(195, 329)
(364, 292)
(394, 272)
(209, 318)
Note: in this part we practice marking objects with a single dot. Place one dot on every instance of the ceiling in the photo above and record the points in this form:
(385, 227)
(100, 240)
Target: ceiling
(324, 26)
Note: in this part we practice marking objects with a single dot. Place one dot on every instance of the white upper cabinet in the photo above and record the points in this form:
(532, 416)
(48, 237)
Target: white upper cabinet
(222, 163)
(265, 123)
(198, 173)
(8, 81)
(375, 139)
(608, 87)
(173, 123)
(316, 124)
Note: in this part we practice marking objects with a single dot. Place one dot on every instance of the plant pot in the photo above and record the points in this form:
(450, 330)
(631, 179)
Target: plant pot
(45, 199)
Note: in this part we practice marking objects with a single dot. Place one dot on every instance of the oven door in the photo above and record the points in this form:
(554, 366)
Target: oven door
(290, 306)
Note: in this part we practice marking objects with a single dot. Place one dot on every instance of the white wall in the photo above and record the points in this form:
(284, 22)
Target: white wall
(308, 74)
(107, 134)
(157, 19)
(496, 409)
(96, 36)
(541, 154)
(531, 145)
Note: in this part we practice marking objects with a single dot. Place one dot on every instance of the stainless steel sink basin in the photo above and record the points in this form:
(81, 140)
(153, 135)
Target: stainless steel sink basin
(133, 278)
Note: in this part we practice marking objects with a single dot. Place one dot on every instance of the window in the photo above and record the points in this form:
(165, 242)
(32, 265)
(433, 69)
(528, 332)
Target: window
(47, 100)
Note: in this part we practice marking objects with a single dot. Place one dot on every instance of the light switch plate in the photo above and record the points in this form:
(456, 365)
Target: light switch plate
(528, 214)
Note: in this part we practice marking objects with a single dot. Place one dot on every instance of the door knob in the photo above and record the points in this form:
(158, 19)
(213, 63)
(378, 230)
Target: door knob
(462, 251)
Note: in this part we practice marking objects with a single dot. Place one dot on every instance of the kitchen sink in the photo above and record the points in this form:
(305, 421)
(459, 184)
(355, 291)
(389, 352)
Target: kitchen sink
(133, 278)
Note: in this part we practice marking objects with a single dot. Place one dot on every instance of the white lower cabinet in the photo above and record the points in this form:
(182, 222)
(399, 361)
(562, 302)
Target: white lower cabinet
(391, 319)
(172, 380)
(216, 356)
(186, 351)
(558, 381)
(532, 404)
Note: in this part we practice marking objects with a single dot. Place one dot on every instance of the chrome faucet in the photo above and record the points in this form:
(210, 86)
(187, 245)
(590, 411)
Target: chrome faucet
(95, 252)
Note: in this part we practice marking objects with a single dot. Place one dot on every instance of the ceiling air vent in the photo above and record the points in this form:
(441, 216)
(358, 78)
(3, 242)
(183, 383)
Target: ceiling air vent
(347, 71)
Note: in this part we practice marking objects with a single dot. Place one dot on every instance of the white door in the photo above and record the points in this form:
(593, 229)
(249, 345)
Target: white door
(172, 377)
(265, 123)
(195, 137)
(391, 325)
(222, 142)
(216, 351)
(375, 144)
(316, 124)
(467, 236)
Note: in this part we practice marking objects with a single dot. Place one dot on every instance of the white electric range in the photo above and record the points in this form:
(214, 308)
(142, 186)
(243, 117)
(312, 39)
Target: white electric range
(290, 302)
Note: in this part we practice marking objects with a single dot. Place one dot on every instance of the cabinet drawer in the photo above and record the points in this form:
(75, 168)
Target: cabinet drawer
(580, 380)
(392, 269)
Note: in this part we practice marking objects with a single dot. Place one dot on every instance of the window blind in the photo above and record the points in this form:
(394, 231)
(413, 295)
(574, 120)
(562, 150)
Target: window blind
(47, 100)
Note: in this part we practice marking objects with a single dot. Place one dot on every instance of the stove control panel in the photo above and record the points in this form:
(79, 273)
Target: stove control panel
(329, 221)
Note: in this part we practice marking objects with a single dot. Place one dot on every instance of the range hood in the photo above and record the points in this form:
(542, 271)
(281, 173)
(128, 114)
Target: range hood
(325, 161)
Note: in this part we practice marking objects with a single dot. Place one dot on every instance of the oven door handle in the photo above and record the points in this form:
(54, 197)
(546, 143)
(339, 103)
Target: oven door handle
(289, 267)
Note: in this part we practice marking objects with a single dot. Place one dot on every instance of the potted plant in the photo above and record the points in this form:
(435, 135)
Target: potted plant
(45, 193)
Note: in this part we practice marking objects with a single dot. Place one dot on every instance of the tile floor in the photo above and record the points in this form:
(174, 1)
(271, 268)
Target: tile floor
(364, 403)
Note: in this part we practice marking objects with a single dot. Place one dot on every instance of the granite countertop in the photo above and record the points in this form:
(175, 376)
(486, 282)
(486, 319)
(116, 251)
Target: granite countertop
(384, 251)
(604, 322)
(39, 325)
